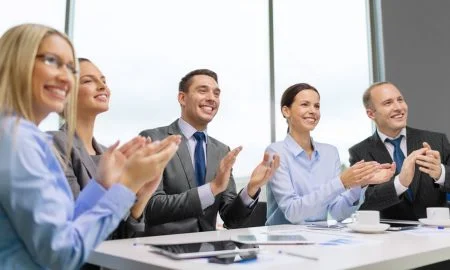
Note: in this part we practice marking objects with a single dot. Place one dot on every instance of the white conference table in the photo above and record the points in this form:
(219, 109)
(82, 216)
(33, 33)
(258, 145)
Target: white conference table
(335, 250)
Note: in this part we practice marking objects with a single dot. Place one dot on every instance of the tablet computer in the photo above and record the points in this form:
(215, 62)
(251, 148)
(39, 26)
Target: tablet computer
(204, 250)
(272, 239)
(400, 225)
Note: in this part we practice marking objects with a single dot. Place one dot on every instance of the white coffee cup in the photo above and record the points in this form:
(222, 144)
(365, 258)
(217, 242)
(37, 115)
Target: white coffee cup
(366, 217)
(438, 213)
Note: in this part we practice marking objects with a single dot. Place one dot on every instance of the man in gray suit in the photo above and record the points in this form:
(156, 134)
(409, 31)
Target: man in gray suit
(422, 158)
(194, 188)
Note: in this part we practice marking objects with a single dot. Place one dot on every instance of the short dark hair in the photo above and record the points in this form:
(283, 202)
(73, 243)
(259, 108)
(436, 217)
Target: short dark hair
(367, 98)
(186, 81)
(289, 94)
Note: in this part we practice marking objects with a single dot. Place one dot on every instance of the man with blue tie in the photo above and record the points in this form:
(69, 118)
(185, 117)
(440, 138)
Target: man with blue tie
(422, 158)
(197, 183)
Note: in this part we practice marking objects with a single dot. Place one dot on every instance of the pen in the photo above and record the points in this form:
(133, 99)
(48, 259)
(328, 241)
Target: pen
(297, 255)
(141, 244)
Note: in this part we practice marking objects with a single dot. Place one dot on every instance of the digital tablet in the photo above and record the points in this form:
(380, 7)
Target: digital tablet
(204, 250)
(271, 239)
(400, 225)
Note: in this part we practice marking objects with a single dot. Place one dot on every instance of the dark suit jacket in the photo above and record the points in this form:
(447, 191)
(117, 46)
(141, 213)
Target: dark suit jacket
(81, 168)
(383, 197)
(175, 207)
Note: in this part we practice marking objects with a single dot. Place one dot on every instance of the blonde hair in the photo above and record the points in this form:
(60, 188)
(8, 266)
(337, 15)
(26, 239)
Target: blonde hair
(18, 49)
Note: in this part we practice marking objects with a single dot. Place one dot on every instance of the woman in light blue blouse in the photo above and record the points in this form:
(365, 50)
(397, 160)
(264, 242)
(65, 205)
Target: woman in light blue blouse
(41, 226)
(309, 184)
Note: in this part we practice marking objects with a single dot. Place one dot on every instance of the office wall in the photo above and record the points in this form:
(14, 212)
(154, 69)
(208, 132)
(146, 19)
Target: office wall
(416, 37)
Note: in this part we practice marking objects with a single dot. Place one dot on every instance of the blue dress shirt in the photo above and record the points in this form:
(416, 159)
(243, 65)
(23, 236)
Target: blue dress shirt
(304, 189)
(41, 227)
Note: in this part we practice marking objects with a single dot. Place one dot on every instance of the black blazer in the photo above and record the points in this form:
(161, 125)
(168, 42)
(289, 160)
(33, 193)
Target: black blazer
(81, 168)
(383, 197)
(175, 206)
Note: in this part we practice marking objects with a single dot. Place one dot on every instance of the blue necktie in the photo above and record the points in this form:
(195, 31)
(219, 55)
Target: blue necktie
(199, 158)
(399, 157)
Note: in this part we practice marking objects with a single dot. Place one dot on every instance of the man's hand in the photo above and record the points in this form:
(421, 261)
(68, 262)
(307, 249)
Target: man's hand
(262, 173)
(409, 164)
(430, 162)
(220, 183)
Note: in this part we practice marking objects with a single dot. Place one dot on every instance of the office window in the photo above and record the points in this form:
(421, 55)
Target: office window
(325, 43)
(145, 47)
(47, 12)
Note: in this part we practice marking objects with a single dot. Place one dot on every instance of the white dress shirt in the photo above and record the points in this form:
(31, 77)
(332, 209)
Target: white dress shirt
(204, 192)
(399, 188)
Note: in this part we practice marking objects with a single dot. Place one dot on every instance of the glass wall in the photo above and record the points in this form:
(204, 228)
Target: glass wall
(48, 12)
(327, 48)
(146, 47)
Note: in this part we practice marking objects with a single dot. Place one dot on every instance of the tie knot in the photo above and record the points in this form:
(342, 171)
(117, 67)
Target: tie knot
(199, 136)
(395, 142)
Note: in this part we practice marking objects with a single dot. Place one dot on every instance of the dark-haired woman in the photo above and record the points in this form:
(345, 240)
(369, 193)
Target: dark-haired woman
(309, 183)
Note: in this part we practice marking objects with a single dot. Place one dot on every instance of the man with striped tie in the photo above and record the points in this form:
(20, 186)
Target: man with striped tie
(421, 157)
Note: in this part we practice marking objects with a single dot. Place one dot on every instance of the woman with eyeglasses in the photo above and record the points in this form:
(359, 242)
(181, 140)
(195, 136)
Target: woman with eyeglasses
(309, 184)
(42, 226)
(93, 99)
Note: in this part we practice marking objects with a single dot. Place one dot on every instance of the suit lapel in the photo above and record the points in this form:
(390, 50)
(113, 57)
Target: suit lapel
(85, 158)
(98, 147)
(212, 160)
(183, 155)
(378, 150)
(413, 142)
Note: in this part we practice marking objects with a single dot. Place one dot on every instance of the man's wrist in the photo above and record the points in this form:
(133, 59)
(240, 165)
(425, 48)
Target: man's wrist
(214, 188)
(252, 189)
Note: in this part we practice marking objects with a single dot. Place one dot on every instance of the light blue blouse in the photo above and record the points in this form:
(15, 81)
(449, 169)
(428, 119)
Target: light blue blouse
(304, 189)
(40, 225)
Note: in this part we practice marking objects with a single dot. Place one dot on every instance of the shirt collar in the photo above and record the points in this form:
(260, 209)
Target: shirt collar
(27, 124)
(188, 130)
(383, 136)
(296, 149)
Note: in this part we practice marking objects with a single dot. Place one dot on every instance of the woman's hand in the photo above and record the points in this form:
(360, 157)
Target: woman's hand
(147, 164)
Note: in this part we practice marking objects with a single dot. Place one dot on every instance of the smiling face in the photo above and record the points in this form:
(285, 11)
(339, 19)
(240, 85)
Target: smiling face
(388, 109)
(51, 83)
(93, 95)
(200, 103)
(304, 113)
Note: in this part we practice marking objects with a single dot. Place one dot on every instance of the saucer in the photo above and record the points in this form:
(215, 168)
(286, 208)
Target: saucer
(366, 228)
(435, 222)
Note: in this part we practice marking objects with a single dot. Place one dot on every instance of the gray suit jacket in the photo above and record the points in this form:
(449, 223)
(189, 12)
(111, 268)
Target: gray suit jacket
(175, 207)
(81, 168)
(383, 197)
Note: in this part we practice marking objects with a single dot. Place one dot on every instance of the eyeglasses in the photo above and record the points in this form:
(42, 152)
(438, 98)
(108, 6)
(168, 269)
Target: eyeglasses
(56, 62)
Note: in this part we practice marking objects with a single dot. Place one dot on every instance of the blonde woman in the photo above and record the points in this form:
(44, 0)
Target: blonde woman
(41, 225)
(93, 99)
